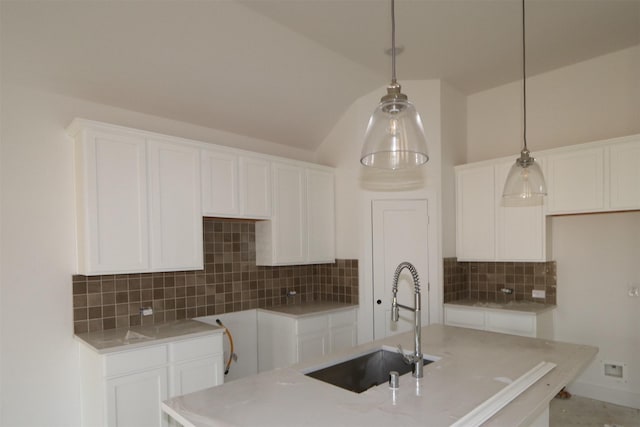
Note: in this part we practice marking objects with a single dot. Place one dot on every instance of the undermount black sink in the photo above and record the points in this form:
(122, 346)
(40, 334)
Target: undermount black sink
(365, 371)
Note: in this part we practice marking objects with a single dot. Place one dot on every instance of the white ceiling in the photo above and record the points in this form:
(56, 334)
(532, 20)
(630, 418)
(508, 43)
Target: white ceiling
(285, 70)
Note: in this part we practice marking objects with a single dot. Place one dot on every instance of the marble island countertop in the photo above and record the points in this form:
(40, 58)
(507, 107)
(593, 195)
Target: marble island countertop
(309, 308)
(112, 340)
(471, 367)
(519, 306)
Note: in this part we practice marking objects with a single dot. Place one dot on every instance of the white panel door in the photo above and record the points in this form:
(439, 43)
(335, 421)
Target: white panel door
(576, 181)
(255, 187)
(475, 213)
(520, 231)
(290, 218)
(220, 188)
(176, 215)
(112, 203)
(399, 234)
(624, 175)
(134, 400)
(321, 216)
(196, 375)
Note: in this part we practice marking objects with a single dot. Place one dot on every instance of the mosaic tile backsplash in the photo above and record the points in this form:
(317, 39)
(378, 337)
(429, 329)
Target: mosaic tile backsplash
(230, 281)
(482, 281)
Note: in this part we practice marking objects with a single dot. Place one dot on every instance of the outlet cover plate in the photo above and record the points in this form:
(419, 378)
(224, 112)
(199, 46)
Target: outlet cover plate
(537, 293)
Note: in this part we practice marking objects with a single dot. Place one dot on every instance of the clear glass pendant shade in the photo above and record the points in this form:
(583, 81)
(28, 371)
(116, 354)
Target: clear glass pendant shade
(525, 185)
(395, 137)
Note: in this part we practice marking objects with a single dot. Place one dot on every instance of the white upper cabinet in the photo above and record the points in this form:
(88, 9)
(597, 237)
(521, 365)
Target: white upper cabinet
(601, 176)
(521, 233)
(235, 186)
(220, 186)
(283, 240)
(302, 228)
(255, 187)
(176, 215)
(138, 201)
(141, 196)
(488, 231)
(111, 201)
(321, 215)
(575, 180)
(475, 213)
(624, 175)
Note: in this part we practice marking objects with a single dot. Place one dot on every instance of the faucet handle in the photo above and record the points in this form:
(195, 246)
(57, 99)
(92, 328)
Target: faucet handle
(408, 358)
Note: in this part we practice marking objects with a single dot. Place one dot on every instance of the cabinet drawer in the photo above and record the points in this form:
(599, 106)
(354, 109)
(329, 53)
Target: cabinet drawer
(135, 360)
(512, 323)
(196, 348)
(343, 318)
(313, 324)
(467, 318)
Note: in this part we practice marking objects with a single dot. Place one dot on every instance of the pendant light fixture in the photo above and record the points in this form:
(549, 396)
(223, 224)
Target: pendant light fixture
(395, 137)
(525, 184)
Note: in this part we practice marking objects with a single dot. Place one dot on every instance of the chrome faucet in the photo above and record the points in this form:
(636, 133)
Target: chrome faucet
(416, 358)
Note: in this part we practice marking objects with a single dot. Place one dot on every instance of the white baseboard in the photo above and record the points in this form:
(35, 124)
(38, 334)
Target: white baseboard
(606, 394)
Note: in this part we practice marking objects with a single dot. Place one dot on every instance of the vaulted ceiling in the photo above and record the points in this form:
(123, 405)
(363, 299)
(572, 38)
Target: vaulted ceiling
(285, 70)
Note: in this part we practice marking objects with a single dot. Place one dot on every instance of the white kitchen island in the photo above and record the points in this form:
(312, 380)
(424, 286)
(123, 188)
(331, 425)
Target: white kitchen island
(471, 367)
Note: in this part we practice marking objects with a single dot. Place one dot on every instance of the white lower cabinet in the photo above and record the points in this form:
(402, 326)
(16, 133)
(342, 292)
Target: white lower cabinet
(528, 324)
(134, 399)
(126, 388)
(285, 340)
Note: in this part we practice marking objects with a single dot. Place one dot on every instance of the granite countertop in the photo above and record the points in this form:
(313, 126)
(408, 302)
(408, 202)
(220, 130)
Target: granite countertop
(471, 366)
(113, 340)
(519, 306)
(309, 308)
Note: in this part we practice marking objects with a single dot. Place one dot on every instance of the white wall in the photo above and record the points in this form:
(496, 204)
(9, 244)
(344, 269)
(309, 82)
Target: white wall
(588, 101)
(597, 258)
(597, 255)
(357, 186)
(39, 356)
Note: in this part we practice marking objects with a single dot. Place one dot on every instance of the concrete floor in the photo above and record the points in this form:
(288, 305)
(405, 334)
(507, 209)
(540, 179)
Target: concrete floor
(583, 412)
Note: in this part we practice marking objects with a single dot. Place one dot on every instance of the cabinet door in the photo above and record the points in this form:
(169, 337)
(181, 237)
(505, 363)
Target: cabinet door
(289, 215)
(464, 317)
(134, 400)
(196, 375)
(320, 216)
(624, 175)
(255, 185)
(276, 341)
(520, 231)
(343, 337)
(512, 323)
(475, 213)
(576, 181)
(312, 345)
(176, 215)
(112, 203)
(220, 183)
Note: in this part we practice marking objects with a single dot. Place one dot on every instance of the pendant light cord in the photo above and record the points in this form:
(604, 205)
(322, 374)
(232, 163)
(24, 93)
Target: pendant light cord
(524, 80)
(393, 42)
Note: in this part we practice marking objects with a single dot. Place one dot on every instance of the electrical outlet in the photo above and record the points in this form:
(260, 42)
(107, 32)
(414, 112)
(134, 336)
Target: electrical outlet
(146, 311)
(538, 293)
